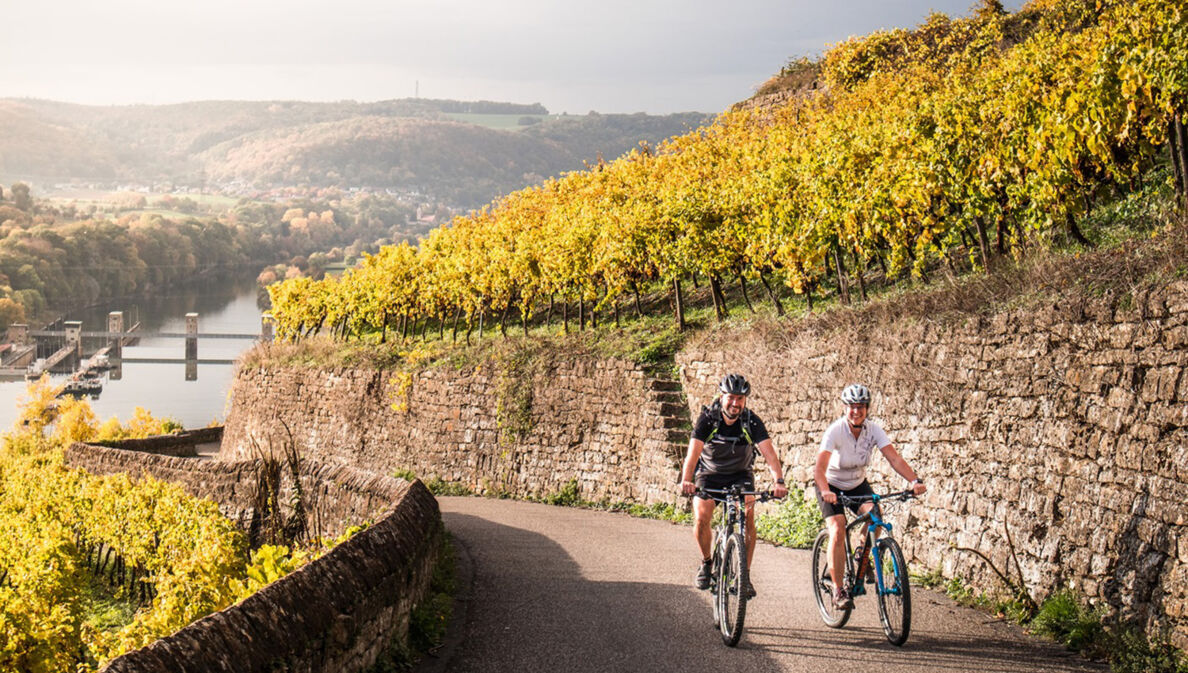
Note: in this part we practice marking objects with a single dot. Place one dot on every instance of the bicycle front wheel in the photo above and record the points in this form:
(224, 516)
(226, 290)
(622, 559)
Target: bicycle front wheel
(895, 597)
(716, 555)
(823, 584)
(732, 592)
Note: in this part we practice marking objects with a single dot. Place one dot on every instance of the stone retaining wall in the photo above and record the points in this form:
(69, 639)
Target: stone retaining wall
(1065, 424)
(338, 613)
(600, 422)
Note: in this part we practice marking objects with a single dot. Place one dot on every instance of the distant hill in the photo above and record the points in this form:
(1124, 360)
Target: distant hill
(404, 145)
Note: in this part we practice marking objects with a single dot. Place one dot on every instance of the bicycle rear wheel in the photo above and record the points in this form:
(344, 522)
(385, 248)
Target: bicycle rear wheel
(732, 594)
(823, 584)
(895, 597)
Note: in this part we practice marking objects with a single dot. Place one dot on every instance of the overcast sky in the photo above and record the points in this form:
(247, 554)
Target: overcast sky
(570, 55)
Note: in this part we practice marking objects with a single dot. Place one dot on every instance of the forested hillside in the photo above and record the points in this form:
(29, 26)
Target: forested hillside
(55, 256)
(411, 145)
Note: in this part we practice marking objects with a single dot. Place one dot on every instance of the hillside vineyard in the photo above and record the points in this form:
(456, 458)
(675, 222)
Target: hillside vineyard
(950, 141)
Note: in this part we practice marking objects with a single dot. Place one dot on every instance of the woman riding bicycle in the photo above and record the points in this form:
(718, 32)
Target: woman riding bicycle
(721, 452)
(846, 449)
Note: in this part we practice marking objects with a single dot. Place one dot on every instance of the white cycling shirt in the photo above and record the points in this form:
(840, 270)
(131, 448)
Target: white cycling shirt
(849, 455)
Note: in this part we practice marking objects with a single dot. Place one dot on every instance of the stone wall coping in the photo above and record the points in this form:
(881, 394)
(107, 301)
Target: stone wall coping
(177, 444)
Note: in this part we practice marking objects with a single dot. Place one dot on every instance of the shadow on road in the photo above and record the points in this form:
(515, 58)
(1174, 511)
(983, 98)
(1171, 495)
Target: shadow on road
(941, 652)
(531, 609)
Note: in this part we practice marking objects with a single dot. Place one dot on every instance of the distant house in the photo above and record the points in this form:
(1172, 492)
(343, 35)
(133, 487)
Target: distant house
(425, 216)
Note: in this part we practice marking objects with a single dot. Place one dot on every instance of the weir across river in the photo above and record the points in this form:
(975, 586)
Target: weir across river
(68, 356)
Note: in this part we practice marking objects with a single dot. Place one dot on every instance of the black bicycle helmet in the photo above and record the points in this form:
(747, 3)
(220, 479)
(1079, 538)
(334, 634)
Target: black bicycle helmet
(856, 393)
(735, 384)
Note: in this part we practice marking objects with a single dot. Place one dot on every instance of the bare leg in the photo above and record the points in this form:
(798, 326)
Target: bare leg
(837, 547)
(703, 510)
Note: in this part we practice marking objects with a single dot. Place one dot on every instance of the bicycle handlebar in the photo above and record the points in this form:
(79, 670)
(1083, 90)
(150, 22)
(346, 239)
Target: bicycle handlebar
(856, 499)
(719, 494)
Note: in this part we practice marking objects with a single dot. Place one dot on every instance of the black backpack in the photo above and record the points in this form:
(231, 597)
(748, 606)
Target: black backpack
(748, 422)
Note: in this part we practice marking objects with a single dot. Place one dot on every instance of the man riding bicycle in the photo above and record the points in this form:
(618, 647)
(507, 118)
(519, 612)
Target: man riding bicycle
(846, 449)
(721, 454)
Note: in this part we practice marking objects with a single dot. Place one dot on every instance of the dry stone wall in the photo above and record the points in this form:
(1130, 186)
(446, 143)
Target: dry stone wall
(336, 614)
(605, 423)
(1064, 425)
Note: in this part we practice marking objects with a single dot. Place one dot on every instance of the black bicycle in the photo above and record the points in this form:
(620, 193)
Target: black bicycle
(730, 577)
(888, 573)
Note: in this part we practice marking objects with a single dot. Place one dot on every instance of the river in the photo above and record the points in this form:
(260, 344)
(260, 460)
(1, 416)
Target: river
(223, 306)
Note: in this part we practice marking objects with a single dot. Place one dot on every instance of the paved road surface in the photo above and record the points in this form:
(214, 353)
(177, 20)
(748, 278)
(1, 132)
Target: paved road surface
(569, 590)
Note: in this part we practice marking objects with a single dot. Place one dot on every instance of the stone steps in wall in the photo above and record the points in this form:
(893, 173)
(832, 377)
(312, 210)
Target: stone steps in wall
(677, 423)
(674, 410)
(674, 414)
(670, 397)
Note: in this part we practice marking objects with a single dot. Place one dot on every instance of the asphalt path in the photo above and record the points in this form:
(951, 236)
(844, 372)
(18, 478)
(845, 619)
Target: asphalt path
(546, 588)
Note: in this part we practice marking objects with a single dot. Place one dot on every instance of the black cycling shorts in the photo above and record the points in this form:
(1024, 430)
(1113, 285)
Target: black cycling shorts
(828, 510)
(716, 480)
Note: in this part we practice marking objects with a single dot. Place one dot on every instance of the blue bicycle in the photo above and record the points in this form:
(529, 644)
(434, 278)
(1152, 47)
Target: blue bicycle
(889, 576)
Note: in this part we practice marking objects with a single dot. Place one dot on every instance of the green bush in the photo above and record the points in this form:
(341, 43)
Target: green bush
(428, 621)
(405, 474)
(930, 580)
(795, 522)
(570, 495)
(1064, 618)
(659, 510)
(1068, 619)
(1133, 652)
(438, 487)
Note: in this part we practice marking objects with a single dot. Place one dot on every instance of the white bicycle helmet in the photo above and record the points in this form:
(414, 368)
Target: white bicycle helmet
(856, 393)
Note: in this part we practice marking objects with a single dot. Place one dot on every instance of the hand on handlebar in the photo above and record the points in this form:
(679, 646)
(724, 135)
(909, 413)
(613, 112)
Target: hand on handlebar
(779, 491)
(688, 488)
(829, 497)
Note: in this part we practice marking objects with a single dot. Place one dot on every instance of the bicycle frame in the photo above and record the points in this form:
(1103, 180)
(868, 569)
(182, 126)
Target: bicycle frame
(734, 498)
(873, 520)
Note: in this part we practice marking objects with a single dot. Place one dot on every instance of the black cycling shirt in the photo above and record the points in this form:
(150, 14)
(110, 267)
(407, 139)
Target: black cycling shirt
(726, 448)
